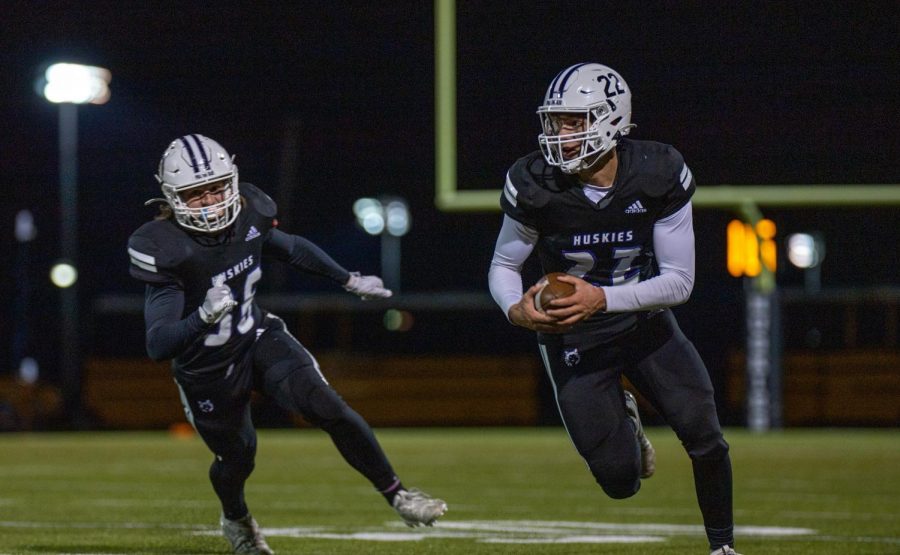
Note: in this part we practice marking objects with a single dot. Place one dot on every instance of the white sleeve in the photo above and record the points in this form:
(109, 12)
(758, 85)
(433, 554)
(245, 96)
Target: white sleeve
(673, 245)
(514, 244)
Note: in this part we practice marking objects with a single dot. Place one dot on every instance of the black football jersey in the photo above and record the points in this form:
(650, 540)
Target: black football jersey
(606, 243)
(163, 253)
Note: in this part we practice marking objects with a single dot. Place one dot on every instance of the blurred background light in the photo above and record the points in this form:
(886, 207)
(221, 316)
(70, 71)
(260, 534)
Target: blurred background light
(76, 84)
(29, 370)
(63, 275)
(25, 229)
(369, 214)
(398, 320)
(805, 250)
(398, 219)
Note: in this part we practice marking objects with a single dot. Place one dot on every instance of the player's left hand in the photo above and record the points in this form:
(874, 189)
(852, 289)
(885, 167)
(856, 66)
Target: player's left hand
(585, 301)
(367, 287)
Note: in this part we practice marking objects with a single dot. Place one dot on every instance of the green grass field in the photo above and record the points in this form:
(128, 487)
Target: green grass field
(509, 491)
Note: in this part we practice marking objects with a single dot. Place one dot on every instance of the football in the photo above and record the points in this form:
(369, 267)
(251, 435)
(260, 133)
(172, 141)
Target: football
(552, 289)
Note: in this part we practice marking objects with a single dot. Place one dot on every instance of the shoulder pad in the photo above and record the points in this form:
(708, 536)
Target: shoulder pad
(533, 181)
(260, 201)
(663, 164)
(155, 251)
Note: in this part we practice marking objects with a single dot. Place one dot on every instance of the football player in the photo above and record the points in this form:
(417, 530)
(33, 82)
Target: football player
(201, 261)
(614, 214)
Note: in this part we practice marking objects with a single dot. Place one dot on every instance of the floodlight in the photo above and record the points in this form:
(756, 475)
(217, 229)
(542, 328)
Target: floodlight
(369, 214)
(805, 250)
(398, 219)
(76, 84)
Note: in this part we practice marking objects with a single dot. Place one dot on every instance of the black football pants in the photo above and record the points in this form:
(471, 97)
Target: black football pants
(280, 367)
(667, 370)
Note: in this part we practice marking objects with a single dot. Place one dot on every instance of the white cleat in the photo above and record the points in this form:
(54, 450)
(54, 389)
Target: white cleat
(648, 453)
(245, 536)
(724, 550)
(416, 507)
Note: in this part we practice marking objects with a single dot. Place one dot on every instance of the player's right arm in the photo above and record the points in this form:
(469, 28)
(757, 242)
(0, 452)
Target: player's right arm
(168, 335)
(514, 244)
(169, 332)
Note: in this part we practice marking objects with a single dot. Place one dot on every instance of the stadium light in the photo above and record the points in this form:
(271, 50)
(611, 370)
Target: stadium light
(806, 251)
(389, 218)
(68, 85)
(76, 84)
(369, 214)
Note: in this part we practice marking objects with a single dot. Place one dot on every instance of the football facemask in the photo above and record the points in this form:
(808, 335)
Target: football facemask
(195, 161)
(591, 91)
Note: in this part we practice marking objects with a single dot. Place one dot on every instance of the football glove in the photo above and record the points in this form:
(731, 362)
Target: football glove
(367, 287)
(217, 304)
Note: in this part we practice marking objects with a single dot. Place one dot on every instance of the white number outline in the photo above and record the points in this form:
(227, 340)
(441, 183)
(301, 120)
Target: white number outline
(622, 273)
(223, 330)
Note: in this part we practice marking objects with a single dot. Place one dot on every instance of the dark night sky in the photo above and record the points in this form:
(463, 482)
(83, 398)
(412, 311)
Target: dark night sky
(750, 93)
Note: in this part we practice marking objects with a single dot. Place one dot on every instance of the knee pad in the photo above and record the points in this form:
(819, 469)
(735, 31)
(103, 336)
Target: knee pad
(617, 480)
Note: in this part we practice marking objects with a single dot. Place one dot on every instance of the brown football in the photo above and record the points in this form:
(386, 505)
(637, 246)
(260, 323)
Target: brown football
(554, 289)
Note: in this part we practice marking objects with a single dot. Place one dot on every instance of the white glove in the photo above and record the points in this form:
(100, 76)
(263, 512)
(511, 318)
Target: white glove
(217, 304)
(367, 287)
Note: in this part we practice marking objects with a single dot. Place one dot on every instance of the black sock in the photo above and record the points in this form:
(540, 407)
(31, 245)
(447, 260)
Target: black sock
(712, 479)
(719, 537)
(392, 491)
(236, 514)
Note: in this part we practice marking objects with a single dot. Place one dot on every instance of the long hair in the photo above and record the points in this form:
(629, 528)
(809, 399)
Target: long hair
(165, 212)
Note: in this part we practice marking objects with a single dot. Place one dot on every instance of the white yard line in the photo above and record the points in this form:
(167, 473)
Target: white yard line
(492, 531)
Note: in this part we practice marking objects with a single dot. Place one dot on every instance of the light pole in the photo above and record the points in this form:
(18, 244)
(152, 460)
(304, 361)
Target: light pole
(69, 85)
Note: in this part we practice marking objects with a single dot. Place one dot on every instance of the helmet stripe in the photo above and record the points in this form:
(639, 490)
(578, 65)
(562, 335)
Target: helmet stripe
(206, 161)
(558, 85)
(190, 152)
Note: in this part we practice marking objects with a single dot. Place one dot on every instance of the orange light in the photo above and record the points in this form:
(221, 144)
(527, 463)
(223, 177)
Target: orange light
(735, 252)
(752, 266)
(751, 248)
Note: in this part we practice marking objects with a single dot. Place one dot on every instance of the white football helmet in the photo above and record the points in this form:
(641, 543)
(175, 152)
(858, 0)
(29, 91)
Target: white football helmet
(195, 161)
(595, 92)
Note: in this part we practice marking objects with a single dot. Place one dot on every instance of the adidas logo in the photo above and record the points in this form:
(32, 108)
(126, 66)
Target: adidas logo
(635, 208)
(252, 234)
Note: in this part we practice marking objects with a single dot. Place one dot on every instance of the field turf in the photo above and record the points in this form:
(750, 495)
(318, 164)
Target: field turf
(510, 491)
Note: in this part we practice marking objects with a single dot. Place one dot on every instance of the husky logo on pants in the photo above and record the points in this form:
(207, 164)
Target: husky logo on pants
(206, 406)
